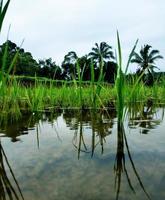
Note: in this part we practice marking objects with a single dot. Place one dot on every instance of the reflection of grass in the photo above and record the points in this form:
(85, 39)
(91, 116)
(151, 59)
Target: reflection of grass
(120, 164)
(144, 116)
(6, 188)
(100, 130)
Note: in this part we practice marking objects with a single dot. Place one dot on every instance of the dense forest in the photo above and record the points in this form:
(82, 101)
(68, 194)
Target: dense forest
(101, 53)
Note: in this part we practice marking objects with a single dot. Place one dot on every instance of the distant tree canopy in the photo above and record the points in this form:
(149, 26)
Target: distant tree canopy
(69, 65)
(49, 69)
(25, 63)
(100, 55)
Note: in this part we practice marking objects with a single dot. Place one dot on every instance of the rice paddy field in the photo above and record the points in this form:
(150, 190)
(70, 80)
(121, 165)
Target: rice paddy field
(81, 140)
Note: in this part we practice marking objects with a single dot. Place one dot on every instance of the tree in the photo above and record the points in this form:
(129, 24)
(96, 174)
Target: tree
(146, 62)
(25, 63)
(49, 69)
(85, 67)
(101, 52)
(100, 55)
(110, 71)
(69, 65)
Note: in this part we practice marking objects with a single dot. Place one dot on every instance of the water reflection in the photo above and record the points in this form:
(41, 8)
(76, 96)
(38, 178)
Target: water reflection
(90, 132)
(120, 163)
(100, 123)
(101, 129)
(28, 122)
(144, 116)
(7, 190)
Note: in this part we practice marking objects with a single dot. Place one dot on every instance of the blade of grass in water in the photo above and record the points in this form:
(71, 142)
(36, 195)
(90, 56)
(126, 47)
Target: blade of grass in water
(79, 83)
(119, 83)
(120, 80)
(130, 56)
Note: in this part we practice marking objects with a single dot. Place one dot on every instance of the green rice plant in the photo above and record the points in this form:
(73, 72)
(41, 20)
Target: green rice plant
(96, 87)
(35, 98)
(8, 86)
(10, 107)
(3, 10)
(161, 91)
(80, 80)
(92, 84)
(14, 99)
(120, 83)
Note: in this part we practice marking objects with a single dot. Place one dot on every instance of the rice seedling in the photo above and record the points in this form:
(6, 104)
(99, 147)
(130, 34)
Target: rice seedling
(96, 87)
(120, 83)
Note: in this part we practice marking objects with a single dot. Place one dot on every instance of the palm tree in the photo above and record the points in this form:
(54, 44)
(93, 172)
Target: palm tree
(101, 52)
(69, 65)
(146, 61)
(100, 55)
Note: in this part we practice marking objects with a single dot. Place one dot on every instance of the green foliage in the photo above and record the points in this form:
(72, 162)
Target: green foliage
(49, 69)
(69, 65)
(24, 63)
(101, 52)
(120, 83)
(146, 62)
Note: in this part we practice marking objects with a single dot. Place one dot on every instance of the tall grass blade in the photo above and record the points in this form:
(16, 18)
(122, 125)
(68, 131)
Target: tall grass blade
(3, 11)
(119, 84)
(130, 56)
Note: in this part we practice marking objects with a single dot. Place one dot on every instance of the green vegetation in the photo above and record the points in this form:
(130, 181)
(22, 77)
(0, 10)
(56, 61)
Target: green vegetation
(44, 96)
(95, 80)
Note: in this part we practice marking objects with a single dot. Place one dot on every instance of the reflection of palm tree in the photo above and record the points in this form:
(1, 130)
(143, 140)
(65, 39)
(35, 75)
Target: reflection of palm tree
(120, 165)
(146, 60)
(6, 188)
(143, 116)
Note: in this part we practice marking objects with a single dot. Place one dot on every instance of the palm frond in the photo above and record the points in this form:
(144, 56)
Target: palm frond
(152, 60)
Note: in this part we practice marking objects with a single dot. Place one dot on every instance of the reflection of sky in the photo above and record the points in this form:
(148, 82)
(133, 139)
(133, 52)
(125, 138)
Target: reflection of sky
(54, 172)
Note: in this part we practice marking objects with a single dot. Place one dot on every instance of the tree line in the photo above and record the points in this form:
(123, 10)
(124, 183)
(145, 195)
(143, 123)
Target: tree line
(101, 54)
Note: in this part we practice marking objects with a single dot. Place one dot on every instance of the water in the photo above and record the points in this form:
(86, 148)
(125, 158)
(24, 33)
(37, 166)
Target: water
(72, 155)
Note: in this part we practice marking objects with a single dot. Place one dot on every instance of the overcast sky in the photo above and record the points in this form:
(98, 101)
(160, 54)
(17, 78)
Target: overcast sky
(52, 28)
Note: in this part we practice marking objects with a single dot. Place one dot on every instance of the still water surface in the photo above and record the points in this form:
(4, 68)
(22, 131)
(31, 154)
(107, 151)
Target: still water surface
(74, 154)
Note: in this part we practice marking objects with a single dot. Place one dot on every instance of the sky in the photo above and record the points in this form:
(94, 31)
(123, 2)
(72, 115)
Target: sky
(52, 28)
